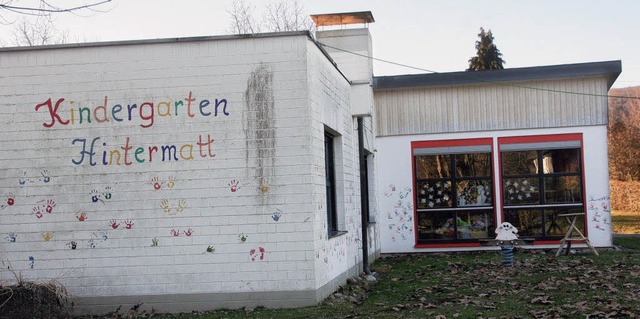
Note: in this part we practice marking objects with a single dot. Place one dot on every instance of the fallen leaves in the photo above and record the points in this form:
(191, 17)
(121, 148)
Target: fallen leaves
(476, 285)
(541, 300)
(538, 286)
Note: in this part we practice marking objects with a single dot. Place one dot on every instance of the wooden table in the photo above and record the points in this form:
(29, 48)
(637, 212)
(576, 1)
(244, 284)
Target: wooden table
(569, 237)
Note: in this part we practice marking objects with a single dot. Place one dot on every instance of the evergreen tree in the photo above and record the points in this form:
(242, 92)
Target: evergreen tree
(488, 56)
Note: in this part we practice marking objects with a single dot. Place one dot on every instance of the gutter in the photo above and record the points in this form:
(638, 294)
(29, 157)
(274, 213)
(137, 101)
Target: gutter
(364, 204)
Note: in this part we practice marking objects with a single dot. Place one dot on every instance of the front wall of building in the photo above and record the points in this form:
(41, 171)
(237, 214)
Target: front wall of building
(155, 171)
(399, 201)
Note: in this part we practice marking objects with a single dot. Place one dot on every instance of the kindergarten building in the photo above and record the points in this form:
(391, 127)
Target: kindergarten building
(459, 153)
(266, 169)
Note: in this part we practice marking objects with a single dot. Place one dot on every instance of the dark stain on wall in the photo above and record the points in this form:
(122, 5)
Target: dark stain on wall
(258, 121)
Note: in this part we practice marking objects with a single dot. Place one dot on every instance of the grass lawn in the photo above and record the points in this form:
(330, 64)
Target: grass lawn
(476, 285)
(625, 222)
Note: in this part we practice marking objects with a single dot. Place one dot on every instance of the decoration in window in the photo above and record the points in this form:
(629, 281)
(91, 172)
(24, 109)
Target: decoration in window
(518, 189)
(434, 194)
(474, 193)
(467, 225)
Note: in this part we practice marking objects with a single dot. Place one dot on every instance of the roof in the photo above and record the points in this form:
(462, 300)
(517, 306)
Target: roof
(177, 40)
(156, 41)
(610, 69)
(342, 18)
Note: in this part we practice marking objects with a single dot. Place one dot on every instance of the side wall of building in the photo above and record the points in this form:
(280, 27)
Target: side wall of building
(339, 256)
(182, 175)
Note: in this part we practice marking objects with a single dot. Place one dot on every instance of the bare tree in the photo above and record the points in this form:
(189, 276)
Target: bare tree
(33, 19)
(277, 16)
(286, 15)
(45, 7)
(242, 19)
(40, 31)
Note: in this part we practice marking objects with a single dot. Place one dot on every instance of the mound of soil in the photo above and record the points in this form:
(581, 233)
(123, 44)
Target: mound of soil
(30, 300)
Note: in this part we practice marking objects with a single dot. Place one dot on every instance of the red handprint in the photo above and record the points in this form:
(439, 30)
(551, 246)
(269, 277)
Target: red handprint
(81, 217)
(114, 224)
(259, 254)
(156, 183)
(234, 185)
(50, 205)
(175, 232)
(128, 224)
(36, 210)
(188, 232)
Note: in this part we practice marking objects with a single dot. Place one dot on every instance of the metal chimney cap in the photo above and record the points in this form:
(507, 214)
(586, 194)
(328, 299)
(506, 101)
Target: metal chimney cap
(342, 18)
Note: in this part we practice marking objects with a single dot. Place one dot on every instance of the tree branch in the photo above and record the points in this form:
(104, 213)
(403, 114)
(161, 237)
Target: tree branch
(29, 10)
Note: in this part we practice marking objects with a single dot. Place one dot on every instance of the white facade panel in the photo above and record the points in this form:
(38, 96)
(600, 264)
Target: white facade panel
(481, 107)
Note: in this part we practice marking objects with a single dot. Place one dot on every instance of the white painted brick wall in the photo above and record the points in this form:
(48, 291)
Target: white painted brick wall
(330, 107)
(148, 259)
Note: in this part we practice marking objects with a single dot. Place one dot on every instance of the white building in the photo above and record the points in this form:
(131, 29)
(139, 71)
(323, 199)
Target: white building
(185, 174)
(461, 152)
(230, 171)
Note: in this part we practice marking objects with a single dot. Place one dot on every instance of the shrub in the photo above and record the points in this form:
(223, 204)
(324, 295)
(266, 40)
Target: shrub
(33, 300)
(625, 196)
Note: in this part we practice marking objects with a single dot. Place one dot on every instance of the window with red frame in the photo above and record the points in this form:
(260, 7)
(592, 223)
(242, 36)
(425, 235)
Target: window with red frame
(454, 192)
(541, 178)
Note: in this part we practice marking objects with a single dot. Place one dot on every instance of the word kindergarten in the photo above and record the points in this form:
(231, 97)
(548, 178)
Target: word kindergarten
(94, 151)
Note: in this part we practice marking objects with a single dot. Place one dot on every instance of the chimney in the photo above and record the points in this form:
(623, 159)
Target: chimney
(358, 40)
(341, 44)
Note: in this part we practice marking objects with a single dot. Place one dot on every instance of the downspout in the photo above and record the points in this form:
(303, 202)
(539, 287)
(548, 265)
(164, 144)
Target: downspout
(364, 204)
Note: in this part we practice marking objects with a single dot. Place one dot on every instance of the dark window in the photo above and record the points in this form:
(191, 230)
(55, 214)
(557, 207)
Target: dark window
(537, 185)
(330, 174)
(453, 196)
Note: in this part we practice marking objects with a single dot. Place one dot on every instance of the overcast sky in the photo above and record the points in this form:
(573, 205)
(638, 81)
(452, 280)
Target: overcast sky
(434, 35)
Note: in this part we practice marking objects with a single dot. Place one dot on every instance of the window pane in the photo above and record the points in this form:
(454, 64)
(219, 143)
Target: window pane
(558, 226)
(332, 219)
(473, 165)
(434, 194)
(474, 192)
(433, 166)
(436, 225)
(562, 189)
(518, 191)
(520, 163)
(527, 221)
(474, 224)
(561, 161)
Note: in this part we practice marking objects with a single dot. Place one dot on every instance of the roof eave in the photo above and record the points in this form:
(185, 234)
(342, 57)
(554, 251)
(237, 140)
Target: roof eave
(610, 69)
(157, 41)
